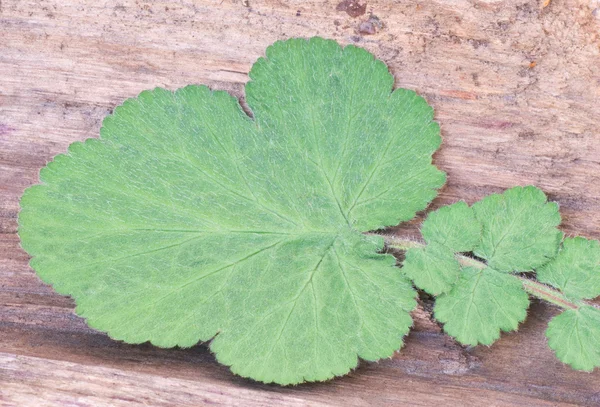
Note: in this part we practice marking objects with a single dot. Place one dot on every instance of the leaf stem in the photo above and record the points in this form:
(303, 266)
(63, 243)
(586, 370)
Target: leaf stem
(533, 287)
(549, 294)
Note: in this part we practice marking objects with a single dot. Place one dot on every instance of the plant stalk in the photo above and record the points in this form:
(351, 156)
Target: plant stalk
(533, 287)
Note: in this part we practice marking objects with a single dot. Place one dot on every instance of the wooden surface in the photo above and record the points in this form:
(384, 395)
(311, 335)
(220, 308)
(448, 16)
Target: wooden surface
(516, 88)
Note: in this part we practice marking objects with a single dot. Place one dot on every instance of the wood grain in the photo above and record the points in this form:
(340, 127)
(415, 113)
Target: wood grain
(516, 88)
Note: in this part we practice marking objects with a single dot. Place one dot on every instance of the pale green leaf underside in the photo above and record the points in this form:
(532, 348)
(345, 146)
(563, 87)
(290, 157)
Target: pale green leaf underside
(453, 226)
(450, 229)
(432, 268)
(574, 334)
(519, 229)
(480, 305)
(188, 219)
(513, 231)
(575, 270)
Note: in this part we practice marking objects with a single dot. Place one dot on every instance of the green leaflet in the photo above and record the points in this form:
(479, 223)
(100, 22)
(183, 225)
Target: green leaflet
(433, 268)
(574, 334)
(481, 304)
(519, 229)
(575, 271)
(448, 230)
(518, 234)
(187, 220)
(453, 226)
(512, 231)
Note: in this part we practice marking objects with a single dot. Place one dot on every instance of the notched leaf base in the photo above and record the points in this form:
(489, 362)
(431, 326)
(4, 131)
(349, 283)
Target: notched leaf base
(187, 218)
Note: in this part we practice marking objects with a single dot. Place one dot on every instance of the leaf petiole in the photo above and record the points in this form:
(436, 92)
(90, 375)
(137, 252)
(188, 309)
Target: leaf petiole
(549, 294)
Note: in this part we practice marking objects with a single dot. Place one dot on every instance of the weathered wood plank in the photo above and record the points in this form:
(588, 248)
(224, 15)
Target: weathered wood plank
(515, 87)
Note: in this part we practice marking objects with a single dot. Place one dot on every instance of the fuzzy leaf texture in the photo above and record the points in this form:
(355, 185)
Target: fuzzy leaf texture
(518, 233)
(575, 270)
(448, 230)
(189, 221)
(574, 334)
(513, 231)
(453, 226)
(481, 304)
(519, 229)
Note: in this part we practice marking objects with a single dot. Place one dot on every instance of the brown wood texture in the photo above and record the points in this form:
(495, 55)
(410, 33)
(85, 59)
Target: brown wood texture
(515, 86)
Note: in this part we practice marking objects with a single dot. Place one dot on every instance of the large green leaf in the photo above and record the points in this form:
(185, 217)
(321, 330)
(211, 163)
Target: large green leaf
(188, 220)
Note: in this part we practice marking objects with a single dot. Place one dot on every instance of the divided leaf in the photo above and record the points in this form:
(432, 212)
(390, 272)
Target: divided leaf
(481, 304)
(187, 220)
(574, 334)
(513, 231)
(519, 233)
(519, 229)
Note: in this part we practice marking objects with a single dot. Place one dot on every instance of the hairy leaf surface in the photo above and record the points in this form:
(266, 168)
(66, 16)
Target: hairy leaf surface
(481, 304)
(519, 229)
(574, 334)
(450, 229)
(453, 226)
(576, 269)
(433, 268)
(188, 220)
(511, 232)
